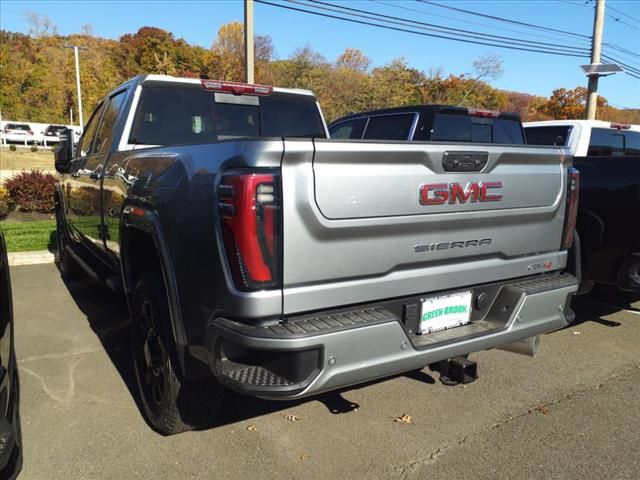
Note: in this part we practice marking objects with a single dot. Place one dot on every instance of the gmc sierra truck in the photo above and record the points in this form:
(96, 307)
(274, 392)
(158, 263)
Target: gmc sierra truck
(607, 154)
(259, 255)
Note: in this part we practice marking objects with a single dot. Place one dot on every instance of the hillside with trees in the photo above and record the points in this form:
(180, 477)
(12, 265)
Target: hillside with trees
(38, 75)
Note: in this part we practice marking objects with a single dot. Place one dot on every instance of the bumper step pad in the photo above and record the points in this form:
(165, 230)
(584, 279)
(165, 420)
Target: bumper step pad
(256, 376)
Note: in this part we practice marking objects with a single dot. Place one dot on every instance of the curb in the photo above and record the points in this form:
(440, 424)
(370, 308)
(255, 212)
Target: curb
(30, 258)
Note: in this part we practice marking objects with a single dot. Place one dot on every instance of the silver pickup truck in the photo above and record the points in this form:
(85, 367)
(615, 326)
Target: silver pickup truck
(258, 254)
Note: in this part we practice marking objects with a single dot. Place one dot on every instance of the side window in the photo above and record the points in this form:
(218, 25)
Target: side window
(105, 131)
(606, 143)
(348, 129)
(632, 143)
(84, 146)
(389, 127)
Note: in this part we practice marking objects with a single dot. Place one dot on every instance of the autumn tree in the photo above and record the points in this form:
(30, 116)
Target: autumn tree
(226, 58)
(38, 75)
(39, 25)
(354, 60)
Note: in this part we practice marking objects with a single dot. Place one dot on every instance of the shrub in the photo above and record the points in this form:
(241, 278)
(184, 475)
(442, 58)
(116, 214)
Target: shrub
(34, 148)
(12, 147)
(32, 191)
(5, 202)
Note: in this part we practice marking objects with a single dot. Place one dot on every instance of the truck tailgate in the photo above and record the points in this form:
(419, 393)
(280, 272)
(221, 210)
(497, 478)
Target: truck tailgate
(368, 180)
(356, 227)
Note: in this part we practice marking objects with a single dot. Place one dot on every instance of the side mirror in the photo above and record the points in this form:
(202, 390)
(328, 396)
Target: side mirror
(64, 152)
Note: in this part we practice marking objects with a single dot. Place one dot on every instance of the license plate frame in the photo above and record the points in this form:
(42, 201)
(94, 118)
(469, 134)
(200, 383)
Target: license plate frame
(443, 312)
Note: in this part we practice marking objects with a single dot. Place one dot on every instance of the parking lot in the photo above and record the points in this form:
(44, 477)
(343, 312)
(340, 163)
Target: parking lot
(571, 412)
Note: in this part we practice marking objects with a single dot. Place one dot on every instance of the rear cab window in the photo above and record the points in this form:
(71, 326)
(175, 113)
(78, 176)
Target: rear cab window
(554, 135)
(460, 127)
(177, 114)
(632, 143)
(607, 142)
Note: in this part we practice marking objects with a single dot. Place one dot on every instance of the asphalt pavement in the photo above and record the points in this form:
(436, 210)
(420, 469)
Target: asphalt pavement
(571, 412)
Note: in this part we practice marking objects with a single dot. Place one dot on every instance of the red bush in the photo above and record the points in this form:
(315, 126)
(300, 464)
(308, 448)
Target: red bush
(32, 191)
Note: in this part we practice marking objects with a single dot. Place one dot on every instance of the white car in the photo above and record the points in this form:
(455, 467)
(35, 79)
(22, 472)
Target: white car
(586, 137)
(18, 132)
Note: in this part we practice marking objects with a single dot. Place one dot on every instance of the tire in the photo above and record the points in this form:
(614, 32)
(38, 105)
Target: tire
(171, 404)
(68, 268)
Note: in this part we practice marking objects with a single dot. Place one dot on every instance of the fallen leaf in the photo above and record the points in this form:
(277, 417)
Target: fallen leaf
(252, 428)
(403, 419)
(575, 332)
(543, 409)
(291, 417)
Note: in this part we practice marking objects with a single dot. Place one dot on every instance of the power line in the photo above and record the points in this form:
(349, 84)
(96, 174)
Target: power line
(502, 19)
(387, 27)
(620, 49)
(586, 5)
(432, 27)
(624, 14)
(611, 16)
(501, 28)
(476, 36)
(622, 22)
(628, 68)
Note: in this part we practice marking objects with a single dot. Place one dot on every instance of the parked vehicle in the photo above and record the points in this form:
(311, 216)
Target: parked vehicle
(10, 438)
(18, 132)
(441, 123)
(259, 255)
(608, 157)
(52, 133)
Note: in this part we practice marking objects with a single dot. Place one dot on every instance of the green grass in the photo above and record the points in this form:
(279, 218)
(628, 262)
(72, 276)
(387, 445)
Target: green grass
(29, 236)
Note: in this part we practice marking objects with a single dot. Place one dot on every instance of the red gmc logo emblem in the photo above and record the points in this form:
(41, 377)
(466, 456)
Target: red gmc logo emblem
(440, 193)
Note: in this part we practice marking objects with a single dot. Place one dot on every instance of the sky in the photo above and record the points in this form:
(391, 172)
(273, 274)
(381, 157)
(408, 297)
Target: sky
(529, 72)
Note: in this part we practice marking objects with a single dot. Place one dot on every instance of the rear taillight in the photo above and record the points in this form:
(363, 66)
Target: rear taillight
(249, 205)
(571, 211)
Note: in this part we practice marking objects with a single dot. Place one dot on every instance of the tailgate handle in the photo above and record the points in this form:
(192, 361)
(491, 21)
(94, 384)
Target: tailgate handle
(464, 161)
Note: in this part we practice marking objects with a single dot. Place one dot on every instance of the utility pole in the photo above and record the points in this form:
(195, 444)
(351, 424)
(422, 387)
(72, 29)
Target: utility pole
(596, 47)
(75, 51)
(248, 41)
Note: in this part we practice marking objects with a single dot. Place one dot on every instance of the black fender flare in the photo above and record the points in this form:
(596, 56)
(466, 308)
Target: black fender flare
(147, 220)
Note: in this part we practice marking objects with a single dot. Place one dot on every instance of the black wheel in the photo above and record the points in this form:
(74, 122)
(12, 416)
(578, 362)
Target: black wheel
(68, 268)
(171, 404)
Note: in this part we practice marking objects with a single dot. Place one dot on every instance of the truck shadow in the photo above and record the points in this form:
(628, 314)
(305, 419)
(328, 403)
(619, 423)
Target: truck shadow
(602, 301)
(108, 316)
